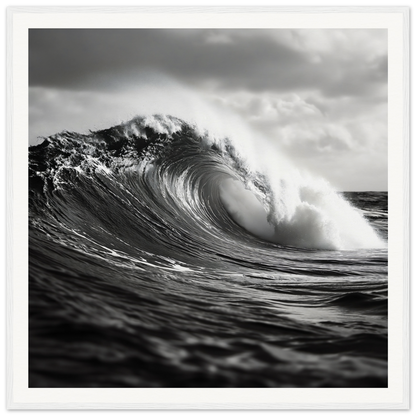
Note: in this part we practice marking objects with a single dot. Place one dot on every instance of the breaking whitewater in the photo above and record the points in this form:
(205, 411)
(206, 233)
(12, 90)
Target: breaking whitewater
(161, 256)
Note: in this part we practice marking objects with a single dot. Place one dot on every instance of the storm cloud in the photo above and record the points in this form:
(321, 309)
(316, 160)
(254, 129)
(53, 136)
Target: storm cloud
(251, 59)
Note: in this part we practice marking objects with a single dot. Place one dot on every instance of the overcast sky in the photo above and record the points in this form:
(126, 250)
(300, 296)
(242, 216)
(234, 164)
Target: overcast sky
(318, 95)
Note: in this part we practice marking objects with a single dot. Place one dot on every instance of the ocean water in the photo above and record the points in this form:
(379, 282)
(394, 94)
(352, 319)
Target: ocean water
(162, 257)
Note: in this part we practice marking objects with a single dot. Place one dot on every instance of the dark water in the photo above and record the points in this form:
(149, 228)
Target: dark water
(140, 277)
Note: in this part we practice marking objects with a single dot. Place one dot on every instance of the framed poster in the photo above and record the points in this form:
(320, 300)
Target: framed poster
(215, 212)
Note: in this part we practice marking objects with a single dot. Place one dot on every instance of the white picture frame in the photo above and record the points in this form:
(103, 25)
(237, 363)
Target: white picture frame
(398, 398)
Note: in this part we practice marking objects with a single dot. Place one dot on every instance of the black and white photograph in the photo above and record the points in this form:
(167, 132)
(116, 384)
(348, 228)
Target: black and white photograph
(208, 207)
(164, 255)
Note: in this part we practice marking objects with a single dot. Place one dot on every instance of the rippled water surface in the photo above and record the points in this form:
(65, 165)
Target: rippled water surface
(141, 276)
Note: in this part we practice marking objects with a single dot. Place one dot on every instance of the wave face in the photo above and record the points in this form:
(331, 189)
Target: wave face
(161, 257)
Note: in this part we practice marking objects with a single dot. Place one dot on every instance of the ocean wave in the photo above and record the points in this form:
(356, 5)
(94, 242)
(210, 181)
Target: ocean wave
(161, 256)
(188, 173)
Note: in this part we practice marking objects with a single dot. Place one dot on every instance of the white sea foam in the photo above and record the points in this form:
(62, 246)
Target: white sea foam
(302, 211)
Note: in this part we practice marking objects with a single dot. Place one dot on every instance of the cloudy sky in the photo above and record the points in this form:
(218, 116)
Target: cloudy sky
(320, 96)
